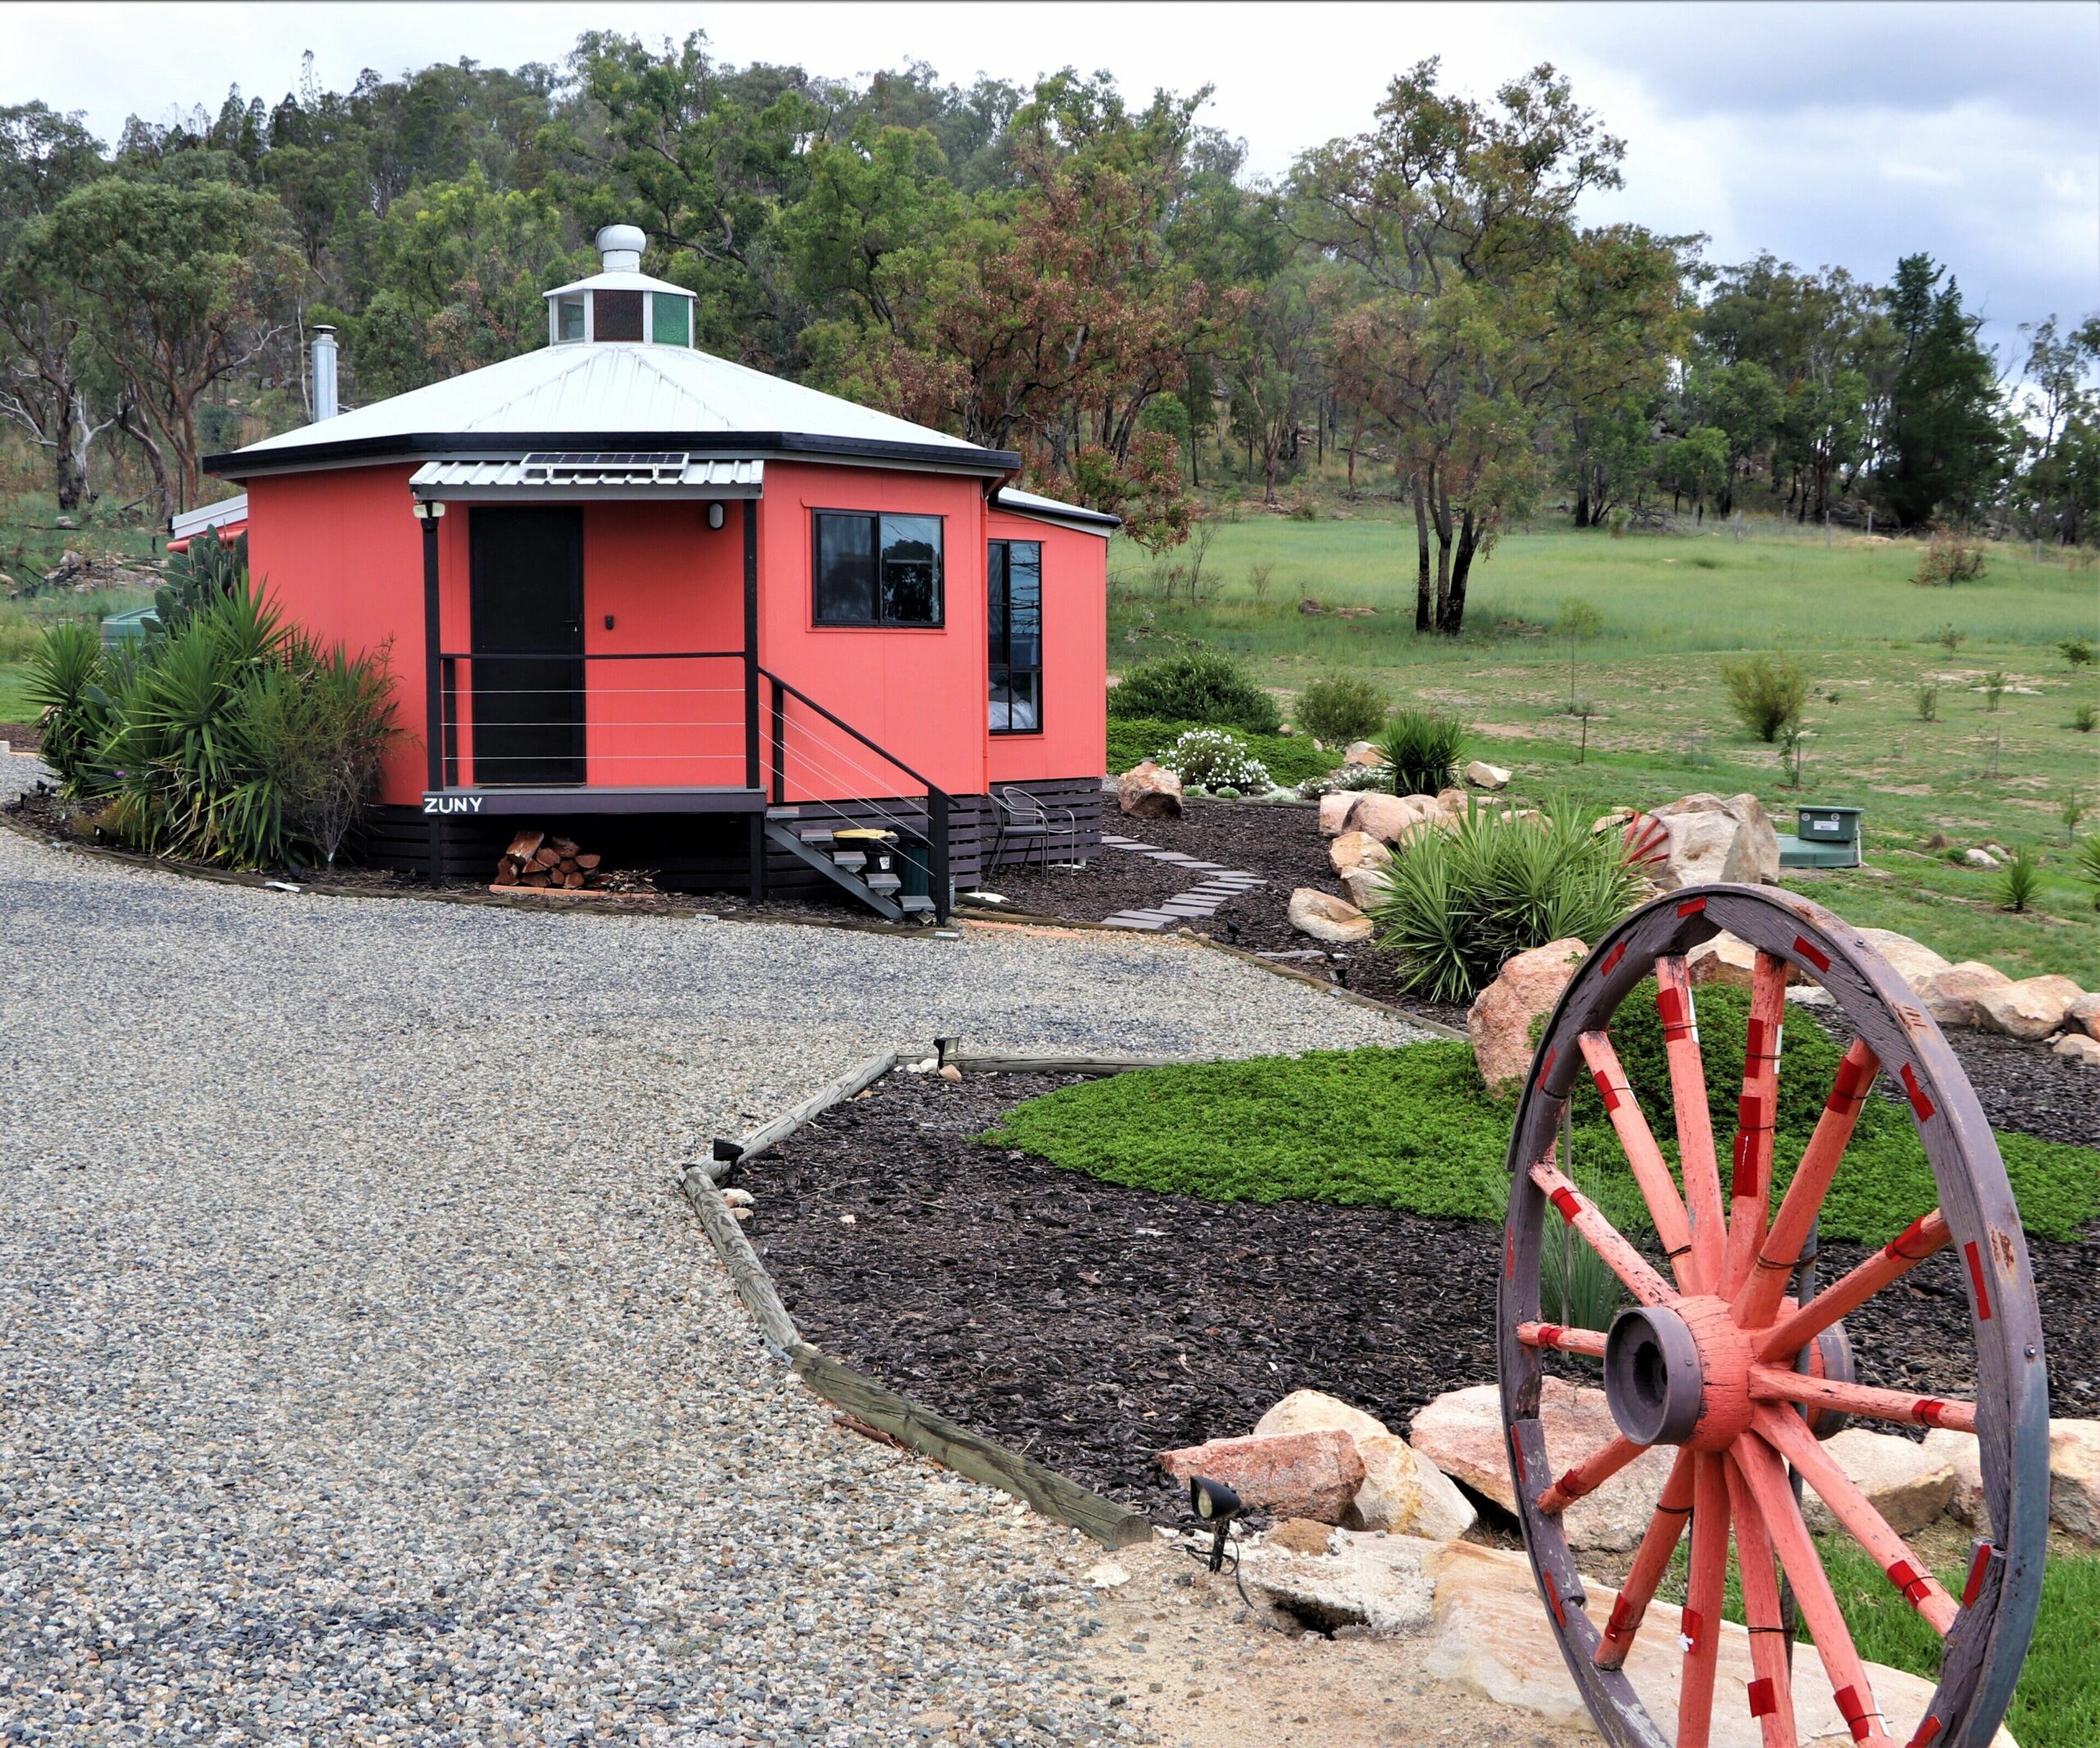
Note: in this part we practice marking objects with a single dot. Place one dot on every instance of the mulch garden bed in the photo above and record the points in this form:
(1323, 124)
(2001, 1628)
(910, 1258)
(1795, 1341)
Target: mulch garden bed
(1090, 1325)
(22, 738)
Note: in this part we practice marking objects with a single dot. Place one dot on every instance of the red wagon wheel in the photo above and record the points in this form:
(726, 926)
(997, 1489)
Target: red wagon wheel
(1715, 1360)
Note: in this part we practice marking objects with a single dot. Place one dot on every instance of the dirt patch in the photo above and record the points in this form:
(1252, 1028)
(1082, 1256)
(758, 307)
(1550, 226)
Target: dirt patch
(1091, 1325)
(22, 738)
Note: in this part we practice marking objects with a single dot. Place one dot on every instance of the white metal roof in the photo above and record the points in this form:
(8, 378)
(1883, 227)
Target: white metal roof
(1049, 509)
(557, 478)
(611, 388)
(184, 523)
(619, 282)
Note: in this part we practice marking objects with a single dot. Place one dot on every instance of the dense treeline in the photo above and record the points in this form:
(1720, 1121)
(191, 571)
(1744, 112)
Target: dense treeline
(1055, 270)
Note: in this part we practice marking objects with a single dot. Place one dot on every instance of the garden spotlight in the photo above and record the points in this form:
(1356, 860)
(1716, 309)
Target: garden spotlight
(1216, 1503)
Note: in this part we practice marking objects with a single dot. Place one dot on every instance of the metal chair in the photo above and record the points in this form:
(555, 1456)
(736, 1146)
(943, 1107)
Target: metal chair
(1024, 818)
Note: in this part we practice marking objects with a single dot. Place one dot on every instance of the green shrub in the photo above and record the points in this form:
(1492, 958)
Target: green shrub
(1927, 698)
(2077, 652)
(2085, 718)
(202, 576)
(1459, 903)
(322, 725)
(1341, 709)
(2088, 865)
(1214, 759)
(65, 685)
(1197, 686)
(1996, 684)
(1765, 694)
(1422, 749)
(1949, 558)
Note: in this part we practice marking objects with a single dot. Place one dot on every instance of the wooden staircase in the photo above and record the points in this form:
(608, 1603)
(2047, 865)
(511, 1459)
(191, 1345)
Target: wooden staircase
(863, 867)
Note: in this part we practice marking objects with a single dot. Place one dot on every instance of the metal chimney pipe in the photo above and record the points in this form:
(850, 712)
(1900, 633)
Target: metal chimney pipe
(324, 373)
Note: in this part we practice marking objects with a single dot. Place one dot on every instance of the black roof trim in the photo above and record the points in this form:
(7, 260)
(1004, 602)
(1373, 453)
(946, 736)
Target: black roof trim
(238, 465)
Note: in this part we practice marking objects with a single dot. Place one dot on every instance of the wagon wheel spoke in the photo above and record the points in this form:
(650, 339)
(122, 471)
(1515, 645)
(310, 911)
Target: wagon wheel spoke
(1770, 1384)
(1922, 1238)
(1651, 1171)
(1760, 1296)
(1695, 1122)
(1651, 1560)
(1587, 1342)
(1700, 1620)
(1772, 1688)
(1750, 1186)
(1589, 1475)
(1783, 1522)
(1602, 1236)
(1786, 1433)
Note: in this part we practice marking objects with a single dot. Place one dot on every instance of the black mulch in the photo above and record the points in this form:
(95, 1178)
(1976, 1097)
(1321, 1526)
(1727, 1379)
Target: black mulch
(1090, 1325)
(23, 737)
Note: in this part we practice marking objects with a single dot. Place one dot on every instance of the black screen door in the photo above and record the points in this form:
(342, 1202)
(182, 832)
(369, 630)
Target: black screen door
(528, 603)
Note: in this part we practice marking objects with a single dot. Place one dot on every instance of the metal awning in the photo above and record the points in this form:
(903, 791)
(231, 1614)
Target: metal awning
(573, 476)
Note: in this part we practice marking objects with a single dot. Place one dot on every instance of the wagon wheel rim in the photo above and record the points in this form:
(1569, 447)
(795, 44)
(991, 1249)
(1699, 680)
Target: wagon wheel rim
(1716, 1306)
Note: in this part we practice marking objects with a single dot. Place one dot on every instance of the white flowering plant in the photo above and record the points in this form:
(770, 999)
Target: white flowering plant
(1215, 759)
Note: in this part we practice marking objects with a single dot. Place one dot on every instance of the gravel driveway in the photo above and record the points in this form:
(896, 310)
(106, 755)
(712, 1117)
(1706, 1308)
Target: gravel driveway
(363, 1380)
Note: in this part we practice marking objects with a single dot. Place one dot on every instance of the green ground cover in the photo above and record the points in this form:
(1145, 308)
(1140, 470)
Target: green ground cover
(1414, 1128)
(1673, 608)
(1290, 758)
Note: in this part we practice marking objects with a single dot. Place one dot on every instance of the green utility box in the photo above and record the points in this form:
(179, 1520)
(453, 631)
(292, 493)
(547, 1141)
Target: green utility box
(128, 628)
(1823, 837)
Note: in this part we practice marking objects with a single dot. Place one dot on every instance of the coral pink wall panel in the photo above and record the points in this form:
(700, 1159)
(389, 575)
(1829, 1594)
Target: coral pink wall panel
(668, 583)
(919, 693)
(1073, 742)
(339, 551)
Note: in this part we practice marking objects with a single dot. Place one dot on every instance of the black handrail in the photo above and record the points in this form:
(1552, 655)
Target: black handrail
(938, 802)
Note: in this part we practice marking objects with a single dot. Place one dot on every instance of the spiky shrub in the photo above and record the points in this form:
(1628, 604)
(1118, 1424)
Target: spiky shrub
(1197, 686)
(2019, 879)
(1422, 749)
(1766, 693)
(1460, 903)
(67, 669)
(1927, 698)
(1341, 709)
(1214, 759)
(2089, 864)
(202, 576)
(322, 723)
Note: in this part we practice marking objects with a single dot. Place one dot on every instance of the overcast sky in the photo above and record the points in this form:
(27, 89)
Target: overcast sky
(1837, 134)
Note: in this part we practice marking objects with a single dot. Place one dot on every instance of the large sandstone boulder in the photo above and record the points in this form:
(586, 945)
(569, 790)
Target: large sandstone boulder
(1462, 1433)
(2084, 1013)
(1907, 1484)
(1950, 997)
(1500, 1022)
(1393, 818)
(1362, 753)
(1293, 1474)
(1326, 918)
(1401, 1492)
(1917, 965)
(1364, 885)
(2074, 1475)
(1704, 844)
(1149, 791)
(2076, 1046)
(1356, 849)
(1335, 809)
(1482, 775)
(1454, 802)
(2030, 1009)
(1488, 1636)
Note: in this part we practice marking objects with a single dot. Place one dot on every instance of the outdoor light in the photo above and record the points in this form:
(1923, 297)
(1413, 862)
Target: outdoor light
(1216, 1503)
(430, 511)
(716, 515)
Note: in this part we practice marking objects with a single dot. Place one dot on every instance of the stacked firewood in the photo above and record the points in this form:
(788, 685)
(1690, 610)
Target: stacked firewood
(536, 860)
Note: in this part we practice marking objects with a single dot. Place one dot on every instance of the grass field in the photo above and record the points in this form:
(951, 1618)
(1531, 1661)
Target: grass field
(1675, 608)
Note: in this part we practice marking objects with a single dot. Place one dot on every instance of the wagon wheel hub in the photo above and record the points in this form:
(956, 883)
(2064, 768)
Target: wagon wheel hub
(1679, 1374)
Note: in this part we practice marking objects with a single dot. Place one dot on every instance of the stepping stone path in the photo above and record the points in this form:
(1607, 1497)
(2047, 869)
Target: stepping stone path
(1200, 901)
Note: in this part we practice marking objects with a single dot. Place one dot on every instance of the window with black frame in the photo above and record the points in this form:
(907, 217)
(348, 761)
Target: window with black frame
(1014, 574)
(877, 570)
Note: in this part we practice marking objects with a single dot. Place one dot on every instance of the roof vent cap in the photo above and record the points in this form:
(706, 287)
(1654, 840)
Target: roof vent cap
(621, 246)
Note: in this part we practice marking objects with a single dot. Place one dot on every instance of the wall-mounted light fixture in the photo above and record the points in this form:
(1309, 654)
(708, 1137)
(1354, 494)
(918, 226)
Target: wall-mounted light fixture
(716, 515)
(428, 510)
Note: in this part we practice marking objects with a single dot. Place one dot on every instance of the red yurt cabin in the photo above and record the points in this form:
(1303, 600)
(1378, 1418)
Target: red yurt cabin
(692, 615)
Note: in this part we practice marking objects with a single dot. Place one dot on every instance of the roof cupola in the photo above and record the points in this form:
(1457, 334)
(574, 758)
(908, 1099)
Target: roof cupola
(622, 303)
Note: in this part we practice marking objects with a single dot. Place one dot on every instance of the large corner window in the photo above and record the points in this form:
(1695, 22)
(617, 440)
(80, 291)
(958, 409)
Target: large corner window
(1013, 572)
(877, 570)
(568, 317)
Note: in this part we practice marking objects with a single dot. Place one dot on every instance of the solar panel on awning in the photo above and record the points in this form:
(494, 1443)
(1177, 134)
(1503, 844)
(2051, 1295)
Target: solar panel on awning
(572, 475)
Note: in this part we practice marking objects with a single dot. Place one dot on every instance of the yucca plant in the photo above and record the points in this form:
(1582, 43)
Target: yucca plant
(1460, 903)
(66, 671)
(2089, 864)
(2019, 880)
(1421, 749)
